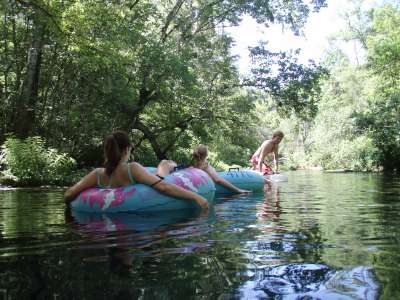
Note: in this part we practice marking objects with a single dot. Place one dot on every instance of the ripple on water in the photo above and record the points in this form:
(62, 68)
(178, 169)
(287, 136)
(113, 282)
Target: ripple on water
(315, 281)
(318, 236)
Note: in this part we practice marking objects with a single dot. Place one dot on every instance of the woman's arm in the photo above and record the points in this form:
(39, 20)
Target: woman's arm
(219, 180)
(90, 180)
(140, 174)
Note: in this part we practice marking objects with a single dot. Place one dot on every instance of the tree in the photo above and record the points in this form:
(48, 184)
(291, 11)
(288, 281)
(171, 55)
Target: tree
(381, 119)
(293, 86)
(161, 70)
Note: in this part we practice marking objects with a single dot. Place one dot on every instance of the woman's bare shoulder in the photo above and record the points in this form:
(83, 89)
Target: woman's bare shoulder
(100, 171)
(135, 165)
(267, 142)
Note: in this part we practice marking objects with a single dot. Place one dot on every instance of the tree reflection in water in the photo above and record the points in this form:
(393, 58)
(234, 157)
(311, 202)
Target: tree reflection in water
(273, 279)
(314, 238)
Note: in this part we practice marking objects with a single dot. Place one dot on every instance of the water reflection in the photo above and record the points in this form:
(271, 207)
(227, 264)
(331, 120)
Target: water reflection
(140, 231)
(142, 248)
(319, 236)
(279, 243)
(126, 235)
(310, 281)
(270, 207)
(133, 222)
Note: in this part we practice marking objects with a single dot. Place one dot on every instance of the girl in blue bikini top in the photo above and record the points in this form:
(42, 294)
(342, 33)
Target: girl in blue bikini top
(118, 172)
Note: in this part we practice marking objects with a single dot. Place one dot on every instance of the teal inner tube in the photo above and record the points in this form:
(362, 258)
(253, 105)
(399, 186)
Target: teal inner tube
(142, 198)
(243, 179)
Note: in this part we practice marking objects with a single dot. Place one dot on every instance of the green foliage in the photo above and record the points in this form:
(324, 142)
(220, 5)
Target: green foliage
(163, 71)
(366, 154)
(293, 86)
(357, 121)
(358, 154)
(383, 45)
(383, 124)
(29, 162)
(381, 119)
(333, 139)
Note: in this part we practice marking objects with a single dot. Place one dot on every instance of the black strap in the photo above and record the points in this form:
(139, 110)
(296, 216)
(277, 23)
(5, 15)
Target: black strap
(158, 181)
(180, 167)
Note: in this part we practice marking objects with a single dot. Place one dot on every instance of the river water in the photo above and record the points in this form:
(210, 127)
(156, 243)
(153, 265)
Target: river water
(317, 236)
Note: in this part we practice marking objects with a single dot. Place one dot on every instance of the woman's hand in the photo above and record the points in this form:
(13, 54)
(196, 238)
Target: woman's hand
(202, 203)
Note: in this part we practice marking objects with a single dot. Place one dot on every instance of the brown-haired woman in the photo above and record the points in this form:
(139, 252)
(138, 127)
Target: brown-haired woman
(118, 172)
(199, 160)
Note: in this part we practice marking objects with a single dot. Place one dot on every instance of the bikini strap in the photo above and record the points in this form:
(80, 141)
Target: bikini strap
(128, 166)
(98, 175)
(99, 184)
(109, 182)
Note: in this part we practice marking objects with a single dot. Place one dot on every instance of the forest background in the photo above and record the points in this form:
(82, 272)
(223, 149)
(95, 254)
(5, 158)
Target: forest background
(71, 71)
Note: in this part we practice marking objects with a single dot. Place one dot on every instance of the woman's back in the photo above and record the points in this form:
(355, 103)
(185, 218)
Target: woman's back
(121, 176)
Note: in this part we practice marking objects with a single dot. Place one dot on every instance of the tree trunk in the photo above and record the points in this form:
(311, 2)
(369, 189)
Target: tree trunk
(16, 54)
(25, 112)
(152, 139)
(5, 36)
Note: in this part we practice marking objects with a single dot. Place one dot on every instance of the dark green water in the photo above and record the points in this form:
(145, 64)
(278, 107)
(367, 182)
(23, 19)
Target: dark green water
(319, 236)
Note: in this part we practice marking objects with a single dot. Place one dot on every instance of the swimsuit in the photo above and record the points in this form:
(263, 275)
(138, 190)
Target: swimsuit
(100, 185)
(266, 169)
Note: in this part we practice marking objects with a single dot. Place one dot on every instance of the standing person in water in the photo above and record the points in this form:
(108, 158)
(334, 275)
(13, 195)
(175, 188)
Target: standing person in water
(267, 147)
(199, 160)
(118, 172)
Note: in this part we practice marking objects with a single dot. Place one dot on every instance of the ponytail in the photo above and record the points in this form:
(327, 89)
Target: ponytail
(114, 145)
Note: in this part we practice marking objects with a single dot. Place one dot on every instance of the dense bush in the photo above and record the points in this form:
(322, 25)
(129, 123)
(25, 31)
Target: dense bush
(29, 162)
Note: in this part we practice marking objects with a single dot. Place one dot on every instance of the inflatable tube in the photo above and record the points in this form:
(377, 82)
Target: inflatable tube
(142, 198)
(243, 179)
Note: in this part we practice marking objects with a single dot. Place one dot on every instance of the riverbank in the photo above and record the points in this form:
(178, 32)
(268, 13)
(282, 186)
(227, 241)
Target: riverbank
(31, 188)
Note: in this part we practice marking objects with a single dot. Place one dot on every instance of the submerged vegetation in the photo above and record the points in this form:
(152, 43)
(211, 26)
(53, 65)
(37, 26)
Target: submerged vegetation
(72, 71)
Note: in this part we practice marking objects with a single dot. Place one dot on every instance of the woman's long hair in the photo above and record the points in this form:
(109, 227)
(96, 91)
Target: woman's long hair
(199, 156)
(114, 146)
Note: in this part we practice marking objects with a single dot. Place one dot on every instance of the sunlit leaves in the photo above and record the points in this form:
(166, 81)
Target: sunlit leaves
(384, 43)
(294, 87)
